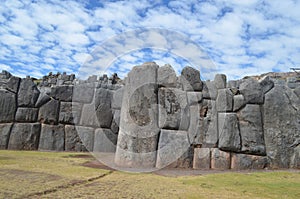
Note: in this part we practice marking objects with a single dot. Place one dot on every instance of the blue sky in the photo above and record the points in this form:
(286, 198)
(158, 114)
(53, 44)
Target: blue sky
(240, 37)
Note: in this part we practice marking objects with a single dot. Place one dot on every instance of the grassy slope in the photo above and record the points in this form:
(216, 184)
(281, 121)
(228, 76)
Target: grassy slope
(24, 173)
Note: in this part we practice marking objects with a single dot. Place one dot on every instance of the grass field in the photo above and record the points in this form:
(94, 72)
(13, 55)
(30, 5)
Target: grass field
(63, 175)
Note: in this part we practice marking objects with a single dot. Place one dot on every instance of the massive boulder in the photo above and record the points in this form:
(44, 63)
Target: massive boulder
(4, 134)
(49, 113)
(190, 78)
(52, 137)
(166, 76)
(252, 91)
(8, 106)
(28, 93)
(103, 108)
(27, 114)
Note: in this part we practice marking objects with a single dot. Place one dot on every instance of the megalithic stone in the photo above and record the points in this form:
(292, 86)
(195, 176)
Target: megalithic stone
(138, 134)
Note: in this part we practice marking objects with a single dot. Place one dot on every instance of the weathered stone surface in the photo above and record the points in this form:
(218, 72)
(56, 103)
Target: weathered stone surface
(238, 102)
(83, 93)
(229, 134)
(43, 97)
(297, 91)
(70, 112)
(4, 134)
(192, 76)
(138, 134)
(224, 100)
(232, 84)
(116, 121)
(185, 160)
(24, 136)
(172, 145)
(52, 137)
(220, 81)
(293, 82)
(89, 116)
(208, 124)
(13, 84)
(105, 140)
(62, 93)
(7, 106)
(166, 76)
(251, 130)
(194, 127)
(295, 159)
(117, 98)
(210, 90)
(72, 140)
(252, 91)
(49, 112)
(173, 109)
(28, 93)
(220, 159)
(281, 125)
(244, 161)
(103, 108)
(194, 98)
(201, 158)
(266, 84)
(27, 114)
(86, 135)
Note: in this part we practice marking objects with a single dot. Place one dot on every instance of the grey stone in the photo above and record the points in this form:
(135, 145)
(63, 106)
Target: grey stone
(43, 97)
(194, 127)
(138, 134)
(172, 145)
(220, 159)
(166, 76)
(62, 93)
(244, 161)
(232, 84)
(194, 98)
(173, 109)
(295, 159)
(83, 93)
(229, 134)
(88, 115)
(251, 130)
(72, 140)
(70, 112)
(297, 91)
(252, 91)
(27, 114)
(117, 99)
(49, 112)
(52, 137)
(238, 102)
(8, 106)
(103, 98)
(224, 100)
(105, 140)
(86, 135)
(201, 158)
(192, 76)
(208, 124)
(293, 82)
(210, 90)
(13, 84)
(4, 134)
(220, 81)
(28, 93)
(267, 84)
(185, 160)
(24, 136)
(281, 125)
(116, 121)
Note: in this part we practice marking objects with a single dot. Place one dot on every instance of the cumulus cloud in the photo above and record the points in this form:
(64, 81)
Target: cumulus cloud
(237, 38)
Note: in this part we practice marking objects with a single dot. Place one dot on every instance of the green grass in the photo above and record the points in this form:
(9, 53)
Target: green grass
(29, 174)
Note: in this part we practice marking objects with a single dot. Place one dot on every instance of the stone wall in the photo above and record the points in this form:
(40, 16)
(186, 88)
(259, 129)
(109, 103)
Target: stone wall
(156, 119)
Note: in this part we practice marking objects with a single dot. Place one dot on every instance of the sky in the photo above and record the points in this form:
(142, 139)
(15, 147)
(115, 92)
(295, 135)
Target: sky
(88, 37)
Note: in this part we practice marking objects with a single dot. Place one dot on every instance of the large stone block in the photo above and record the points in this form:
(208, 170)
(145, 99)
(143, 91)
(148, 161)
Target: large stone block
(281, 125)
(194, 130)
(103, 98)
(220, 81)
(27, 114)
(224, 100)
(252, 91)
(83, 93)
(138, 134)
(70, 112)
(28, 93)
(52, 137)
(238, 102)
(229, 134)
(251, 129)
(201, 158)
(117, 98)
(86, 135)
(13, 84)
(49, 113)
(171, 147)
(89, 116)
(8, 106)
(190, 78)
(116, 121)
(105, 141)
(173, 109)
(266, 84)
(194, 98)
(166, 76)
(62, 93)
(244, 161)
(43, 97)
(4, 134)
(24, 136)
(210, 90)
(220, 159)
(73, 142)
(295, 159)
